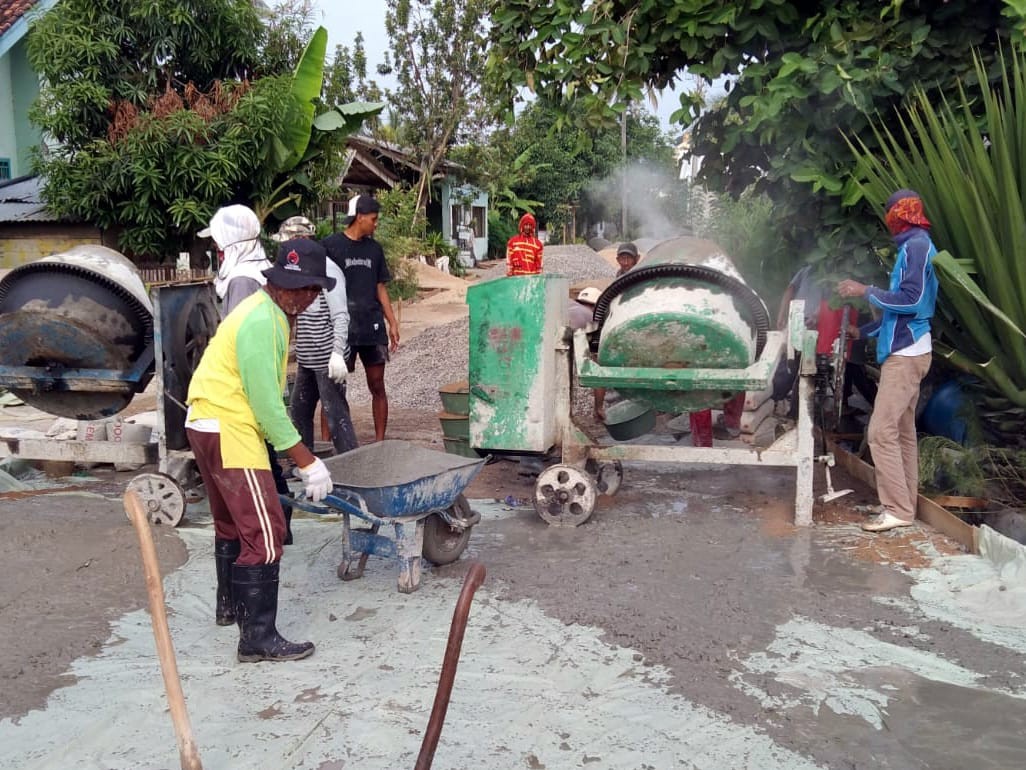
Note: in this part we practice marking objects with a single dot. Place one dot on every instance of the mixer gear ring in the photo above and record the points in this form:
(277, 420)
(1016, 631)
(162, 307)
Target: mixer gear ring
(564, 496)
(162, 497)
(608, 475)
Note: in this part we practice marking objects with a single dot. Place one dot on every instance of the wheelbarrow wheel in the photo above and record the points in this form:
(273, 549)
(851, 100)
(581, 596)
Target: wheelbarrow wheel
(444, 544)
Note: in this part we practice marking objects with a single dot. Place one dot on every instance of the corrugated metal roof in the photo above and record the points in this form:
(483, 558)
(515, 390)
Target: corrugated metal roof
(21, 201)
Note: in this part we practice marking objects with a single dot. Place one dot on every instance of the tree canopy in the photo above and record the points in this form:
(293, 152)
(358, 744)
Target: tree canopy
(159, 116)
(803, 74)
(438, 60)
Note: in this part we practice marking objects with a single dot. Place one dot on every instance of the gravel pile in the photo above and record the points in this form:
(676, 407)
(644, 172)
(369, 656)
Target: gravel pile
(439, 355)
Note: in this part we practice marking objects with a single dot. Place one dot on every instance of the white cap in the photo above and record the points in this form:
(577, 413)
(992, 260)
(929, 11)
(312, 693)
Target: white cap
(232, 224)
(589, 295)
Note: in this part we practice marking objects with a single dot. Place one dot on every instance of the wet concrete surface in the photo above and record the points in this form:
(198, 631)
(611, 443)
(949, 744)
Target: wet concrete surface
(70, 566)
(699, 572)
(809, 636)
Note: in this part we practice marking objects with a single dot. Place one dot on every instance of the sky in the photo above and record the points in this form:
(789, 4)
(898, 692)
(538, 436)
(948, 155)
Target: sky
(344, 20)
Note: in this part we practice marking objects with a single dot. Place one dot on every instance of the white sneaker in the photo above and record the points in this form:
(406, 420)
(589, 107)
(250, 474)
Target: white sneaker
(884, 522)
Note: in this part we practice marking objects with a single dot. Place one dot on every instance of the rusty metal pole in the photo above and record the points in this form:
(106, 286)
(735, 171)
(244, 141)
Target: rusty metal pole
(475, 577)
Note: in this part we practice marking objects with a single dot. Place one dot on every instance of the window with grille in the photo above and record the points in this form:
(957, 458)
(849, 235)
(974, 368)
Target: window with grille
(5, 168)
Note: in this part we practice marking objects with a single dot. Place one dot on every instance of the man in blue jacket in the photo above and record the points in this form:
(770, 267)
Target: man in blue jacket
(904, 352)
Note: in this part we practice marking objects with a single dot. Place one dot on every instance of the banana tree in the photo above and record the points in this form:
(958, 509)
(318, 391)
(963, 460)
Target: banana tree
(967, 158)
(307, 137)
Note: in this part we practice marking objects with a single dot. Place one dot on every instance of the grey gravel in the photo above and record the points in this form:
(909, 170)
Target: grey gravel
(439, 355)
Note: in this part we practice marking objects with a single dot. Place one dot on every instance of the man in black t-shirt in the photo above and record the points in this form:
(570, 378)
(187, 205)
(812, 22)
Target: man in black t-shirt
(363, 263)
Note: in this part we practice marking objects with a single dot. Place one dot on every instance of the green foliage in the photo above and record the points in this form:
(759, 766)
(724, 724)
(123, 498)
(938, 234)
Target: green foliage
(164, 178)
(500, 230)
(994, 473)
(92, 55)
(800, 72)
(289, 24)
(973, 182)
(401, 233)
(946, 467)
(158, 124)
(488, 166)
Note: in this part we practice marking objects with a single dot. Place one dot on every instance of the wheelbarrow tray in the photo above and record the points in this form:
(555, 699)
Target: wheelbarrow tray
(397, 478)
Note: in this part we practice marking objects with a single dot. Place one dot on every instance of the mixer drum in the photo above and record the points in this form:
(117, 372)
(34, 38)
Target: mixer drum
(683, 307)
(86, 308)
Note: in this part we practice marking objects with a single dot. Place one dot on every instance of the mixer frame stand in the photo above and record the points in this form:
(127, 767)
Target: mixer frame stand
(794, 449)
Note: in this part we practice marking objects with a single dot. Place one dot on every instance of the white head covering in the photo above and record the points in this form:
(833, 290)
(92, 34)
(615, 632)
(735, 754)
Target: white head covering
(236, 231)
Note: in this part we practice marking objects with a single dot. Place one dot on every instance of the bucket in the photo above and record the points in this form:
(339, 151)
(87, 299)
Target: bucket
(629, 419)
(455, 425)
(456, 397)
(459, 446)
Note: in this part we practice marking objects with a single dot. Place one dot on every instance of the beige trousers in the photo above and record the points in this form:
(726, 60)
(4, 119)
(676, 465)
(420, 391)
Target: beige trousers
(892, 433)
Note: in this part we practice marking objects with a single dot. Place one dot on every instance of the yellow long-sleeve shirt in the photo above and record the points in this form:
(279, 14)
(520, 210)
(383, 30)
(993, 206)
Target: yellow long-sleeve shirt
(239, 382)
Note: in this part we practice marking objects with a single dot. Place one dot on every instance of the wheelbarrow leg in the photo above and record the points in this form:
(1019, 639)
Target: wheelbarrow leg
(409, 542)
(346, 570)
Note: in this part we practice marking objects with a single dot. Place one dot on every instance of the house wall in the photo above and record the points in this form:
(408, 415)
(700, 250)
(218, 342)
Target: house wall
(25, 89)
(27, 242)
(468, 198)
(19, 87)
(8, 144)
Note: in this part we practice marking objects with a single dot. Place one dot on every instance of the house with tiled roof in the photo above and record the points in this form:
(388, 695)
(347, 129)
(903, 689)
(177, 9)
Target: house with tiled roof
(19, 85)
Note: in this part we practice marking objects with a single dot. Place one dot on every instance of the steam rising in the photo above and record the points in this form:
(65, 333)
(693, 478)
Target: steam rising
(656, 202)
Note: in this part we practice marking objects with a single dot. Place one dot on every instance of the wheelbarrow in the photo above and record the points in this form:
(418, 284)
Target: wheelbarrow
(415, 490)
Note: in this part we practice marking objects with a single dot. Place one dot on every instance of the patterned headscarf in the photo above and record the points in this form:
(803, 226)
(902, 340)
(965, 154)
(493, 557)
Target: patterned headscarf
(905, 211)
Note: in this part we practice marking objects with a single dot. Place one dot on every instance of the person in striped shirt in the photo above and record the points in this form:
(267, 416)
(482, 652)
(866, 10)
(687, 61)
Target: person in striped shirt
(524, 251)
(322, 347)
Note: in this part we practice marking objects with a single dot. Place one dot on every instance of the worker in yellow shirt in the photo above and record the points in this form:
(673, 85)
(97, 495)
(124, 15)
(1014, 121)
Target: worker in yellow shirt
(235, 404)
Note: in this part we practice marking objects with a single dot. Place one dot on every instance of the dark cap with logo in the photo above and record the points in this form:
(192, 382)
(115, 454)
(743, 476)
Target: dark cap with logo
(301, 264)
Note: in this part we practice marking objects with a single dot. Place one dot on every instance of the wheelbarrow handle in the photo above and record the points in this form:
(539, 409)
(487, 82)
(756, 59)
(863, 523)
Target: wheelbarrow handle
(474, 578)
(334, 504)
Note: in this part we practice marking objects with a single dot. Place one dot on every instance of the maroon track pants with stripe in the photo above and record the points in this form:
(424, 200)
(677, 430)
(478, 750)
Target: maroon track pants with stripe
(243, 501)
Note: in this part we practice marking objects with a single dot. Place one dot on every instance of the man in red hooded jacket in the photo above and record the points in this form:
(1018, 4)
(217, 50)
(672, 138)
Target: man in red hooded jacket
(524, 251)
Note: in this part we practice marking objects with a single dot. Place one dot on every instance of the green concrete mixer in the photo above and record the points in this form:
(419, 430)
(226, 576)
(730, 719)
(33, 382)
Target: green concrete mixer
(680, 332)
(682, 313)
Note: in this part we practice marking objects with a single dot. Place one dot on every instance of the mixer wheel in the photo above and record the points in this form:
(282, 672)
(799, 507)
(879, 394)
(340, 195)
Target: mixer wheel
(608, 476)
(564, 495)
(162, 497)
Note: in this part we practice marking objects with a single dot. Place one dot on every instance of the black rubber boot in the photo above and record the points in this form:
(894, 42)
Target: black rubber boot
(256, 607)
(225, 554)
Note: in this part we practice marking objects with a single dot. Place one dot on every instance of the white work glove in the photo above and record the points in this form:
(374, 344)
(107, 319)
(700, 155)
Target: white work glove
(317, 480)
(337, 370)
